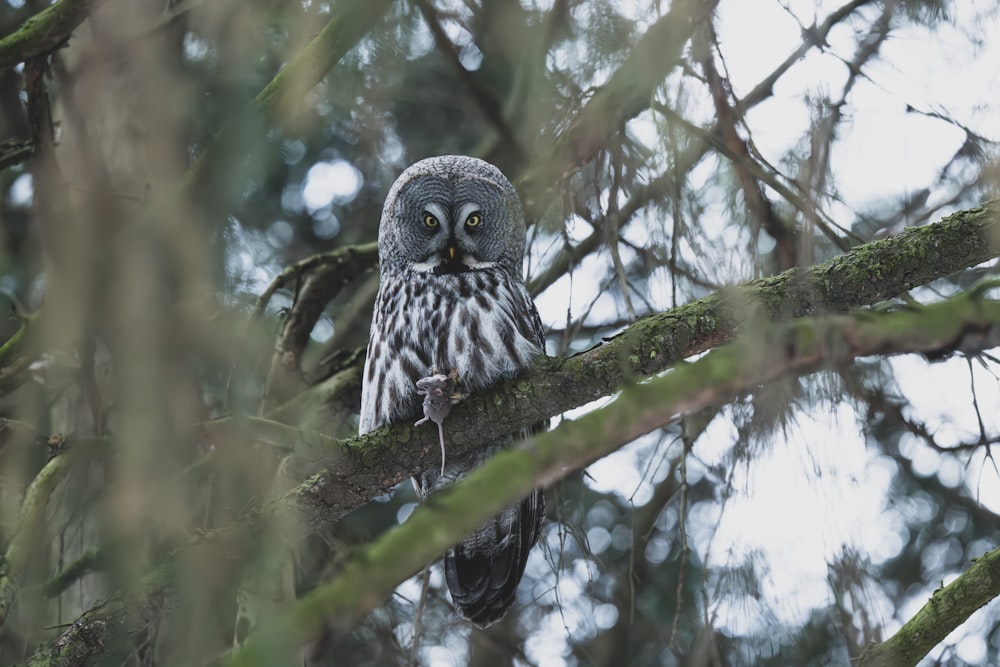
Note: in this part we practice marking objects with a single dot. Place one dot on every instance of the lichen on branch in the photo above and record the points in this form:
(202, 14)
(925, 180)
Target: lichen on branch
(777, 350)
(44, 31)
(867, 275)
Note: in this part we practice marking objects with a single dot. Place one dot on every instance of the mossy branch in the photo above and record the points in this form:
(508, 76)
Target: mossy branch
(44, 31)
(107, 626)
(359, 469)
(866, 275)
(92, 559)
(766, 353)
(947, 609)
(31, 526)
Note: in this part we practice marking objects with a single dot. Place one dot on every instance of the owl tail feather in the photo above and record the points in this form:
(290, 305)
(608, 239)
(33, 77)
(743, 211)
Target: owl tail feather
(483, 570)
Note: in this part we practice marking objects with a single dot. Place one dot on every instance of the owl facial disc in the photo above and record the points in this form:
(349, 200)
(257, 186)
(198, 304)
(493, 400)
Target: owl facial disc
(452, 254)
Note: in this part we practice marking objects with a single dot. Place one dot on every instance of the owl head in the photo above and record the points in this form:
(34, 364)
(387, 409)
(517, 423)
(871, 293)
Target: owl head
(452, 214)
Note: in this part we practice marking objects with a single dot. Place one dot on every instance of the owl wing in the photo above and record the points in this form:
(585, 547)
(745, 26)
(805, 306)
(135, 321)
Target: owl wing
(484, 570)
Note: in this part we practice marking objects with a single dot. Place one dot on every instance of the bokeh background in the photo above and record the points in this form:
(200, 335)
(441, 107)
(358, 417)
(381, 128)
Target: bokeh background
(165, 164)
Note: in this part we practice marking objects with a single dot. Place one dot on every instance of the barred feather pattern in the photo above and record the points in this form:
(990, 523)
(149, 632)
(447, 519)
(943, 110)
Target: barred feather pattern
(484, 325)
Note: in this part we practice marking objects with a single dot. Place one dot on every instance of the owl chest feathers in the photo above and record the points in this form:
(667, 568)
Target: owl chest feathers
(481, 324)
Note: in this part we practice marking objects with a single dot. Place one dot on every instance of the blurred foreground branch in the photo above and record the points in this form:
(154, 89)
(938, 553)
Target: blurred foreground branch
(280, 98)
(966, 321)
(356, 470)
(629, 90)
(31, 529)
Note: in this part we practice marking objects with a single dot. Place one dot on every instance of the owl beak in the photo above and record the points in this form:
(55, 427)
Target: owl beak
(451, 265)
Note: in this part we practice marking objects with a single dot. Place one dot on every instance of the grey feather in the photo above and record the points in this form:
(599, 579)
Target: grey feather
(451, 297)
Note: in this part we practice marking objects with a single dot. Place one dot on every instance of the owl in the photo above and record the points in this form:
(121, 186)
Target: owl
(451, 300)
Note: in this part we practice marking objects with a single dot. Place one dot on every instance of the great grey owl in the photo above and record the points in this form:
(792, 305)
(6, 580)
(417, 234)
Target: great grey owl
(452, 301)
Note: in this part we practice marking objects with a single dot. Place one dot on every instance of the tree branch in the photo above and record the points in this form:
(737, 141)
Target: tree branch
(347, 263)
(350, 23)
(318, 280)
(948, 608)
(30, 529)
(44, 31)
(627, 92)
(817, 35)
(764, 355)
(361, 468)
(866, 275)
(488, 104)
(782, 231)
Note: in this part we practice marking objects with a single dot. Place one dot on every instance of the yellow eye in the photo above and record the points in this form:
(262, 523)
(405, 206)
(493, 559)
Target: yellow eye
(430, 220)
(473, 220)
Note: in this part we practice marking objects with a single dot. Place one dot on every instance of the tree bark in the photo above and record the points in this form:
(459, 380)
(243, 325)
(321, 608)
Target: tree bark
(364, 468)
(964, 322)
(44, 32)
(948, 608)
